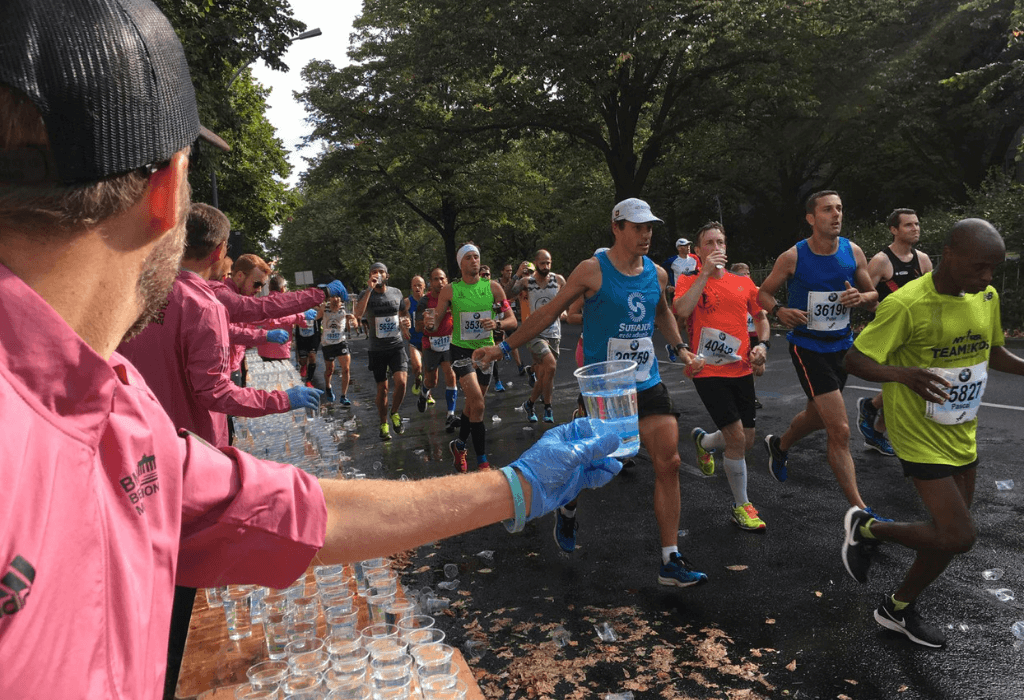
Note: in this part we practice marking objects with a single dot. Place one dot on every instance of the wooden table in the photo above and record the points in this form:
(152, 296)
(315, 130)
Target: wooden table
(213, 665)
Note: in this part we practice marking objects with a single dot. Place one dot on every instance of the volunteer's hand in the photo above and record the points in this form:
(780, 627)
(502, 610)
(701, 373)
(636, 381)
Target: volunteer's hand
(311, 315)
(304, 397)
(337, 289)
(568, 459)
(491, 353)
(278, 336)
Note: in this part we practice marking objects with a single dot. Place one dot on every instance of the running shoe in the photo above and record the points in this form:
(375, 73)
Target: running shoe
(416, 386)
(672, 356)
(328, 394)
(745, 515)
(396, 420)
(549, 416)
(430, 399)
(309, 384)
(498, 386)
(302, 371)
(565, 531)
(856, 556)
(705, 460)
(680, 572)
(866, 415)
(421, 402)
(451, 423)
(459, 455)
(483, 466)
(533, 377)
(530, 414)
(876, 516)
(879, 443)
(522, 370)
(344, 401)
(776, 457)
(385, 432)
(757, 404)
(908, 622)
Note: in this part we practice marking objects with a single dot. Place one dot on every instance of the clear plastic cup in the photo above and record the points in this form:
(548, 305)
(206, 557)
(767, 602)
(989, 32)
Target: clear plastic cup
(247, 692)
(309, 663)
(418, 637)
(609, 393)
(351, 690)
(371, 632)
(391, 672)
(433, 659)
(340, 647)
(238, 611)
(267, 674)
(376, 604)
(342, 622)
(443, 690)
(354, 666)
(277, 634)
(398, 611)
(303, 646)
(303, 687)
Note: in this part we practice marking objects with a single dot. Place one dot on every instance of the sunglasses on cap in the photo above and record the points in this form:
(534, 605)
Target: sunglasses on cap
(258, 285)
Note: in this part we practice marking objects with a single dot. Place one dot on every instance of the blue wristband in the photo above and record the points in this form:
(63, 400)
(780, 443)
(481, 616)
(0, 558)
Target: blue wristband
(519, 522)
(506, 349)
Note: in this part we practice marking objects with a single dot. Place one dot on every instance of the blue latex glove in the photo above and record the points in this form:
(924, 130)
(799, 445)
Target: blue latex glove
(310, 315)
(278, 336)
(304, 397)
(565, 461)
(336, 289)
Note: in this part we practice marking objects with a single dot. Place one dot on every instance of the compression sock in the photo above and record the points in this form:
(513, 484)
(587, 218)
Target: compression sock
(450, 397)
(714, 441)
(479, 438)
(736, 473)
(464, 426)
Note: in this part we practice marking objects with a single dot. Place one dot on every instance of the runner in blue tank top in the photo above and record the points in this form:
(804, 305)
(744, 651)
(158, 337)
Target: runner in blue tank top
(623, 304)
(417, 287)
(827, 276)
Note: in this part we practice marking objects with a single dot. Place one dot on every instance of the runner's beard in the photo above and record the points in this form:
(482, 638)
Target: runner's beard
(159, 270)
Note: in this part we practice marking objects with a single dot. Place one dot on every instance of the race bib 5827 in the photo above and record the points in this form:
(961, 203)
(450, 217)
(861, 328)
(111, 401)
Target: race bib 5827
(968, 386)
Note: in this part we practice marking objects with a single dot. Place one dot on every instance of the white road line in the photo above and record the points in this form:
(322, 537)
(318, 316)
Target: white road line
(874, 389)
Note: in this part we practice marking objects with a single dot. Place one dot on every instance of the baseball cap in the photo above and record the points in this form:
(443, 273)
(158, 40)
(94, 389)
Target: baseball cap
(109, 78)
(682, 241)
(379, 266)
(636, 210)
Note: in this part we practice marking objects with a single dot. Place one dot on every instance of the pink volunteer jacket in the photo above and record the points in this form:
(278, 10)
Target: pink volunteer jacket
(105, 507)
(243, 309)
(184, 357)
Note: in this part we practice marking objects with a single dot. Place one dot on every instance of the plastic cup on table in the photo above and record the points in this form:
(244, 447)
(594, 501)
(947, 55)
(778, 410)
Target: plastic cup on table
(342, 622)
(276, 603)
(376, 631)
(341, 647)
(309, 663)
(267, 674)
(376, 604)
(337, 595)
(351, 690)
(433, 659)
(303, 687)
(301, 629)
(277, 634)
(419, 637)
(238, 611)
(247, 692)
(398, 611)
(386, 647)
(442, 690)
(394, 671)
(356, 665)
(303, 646)
(609, 394)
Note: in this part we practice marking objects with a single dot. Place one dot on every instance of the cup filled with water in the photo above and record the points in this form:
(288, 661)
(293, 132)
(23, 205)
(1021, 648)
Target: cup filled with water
(609, 394)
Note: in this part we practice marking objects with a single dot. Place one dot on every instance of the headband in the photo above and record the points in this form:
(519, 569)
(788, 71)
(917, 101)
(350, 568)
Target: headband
(468, 248)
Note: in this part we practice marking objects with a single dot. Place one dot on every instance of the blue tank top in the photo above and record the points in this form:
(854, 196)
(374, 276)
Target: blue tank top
(415, 336)
(618, 321)
(824, 276)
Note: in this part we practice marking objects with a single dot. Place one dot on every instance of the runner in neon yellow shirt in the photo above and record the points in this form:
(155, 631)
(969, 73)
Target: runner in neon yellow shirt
(932, 343)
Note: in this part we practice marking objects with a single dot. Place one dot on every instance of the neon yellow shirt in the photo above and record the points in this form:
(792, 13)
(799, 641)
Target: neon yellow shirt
(918, 327)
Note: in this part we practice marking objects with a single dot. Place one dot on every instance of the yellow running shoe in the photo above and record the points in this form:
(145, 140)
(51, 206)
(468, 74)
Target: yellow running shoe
(705, 460)
(745, 515)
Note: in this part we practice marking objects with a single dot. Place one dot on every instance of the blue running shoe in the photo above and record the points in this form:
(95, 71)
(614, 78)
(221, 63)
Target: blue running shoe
(672, 356)
(498, 386)
(876, 516)
(679, 572)
(344, 401)
(328, 394)
(565, 531)
(531, 415)
(879, 443)
(776, 457)
(866, 415)
(549, 416)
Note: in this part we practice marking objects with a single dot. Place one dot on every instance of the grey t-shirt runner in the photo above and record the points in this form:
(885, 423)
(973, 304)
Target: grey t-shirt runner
(382, 316)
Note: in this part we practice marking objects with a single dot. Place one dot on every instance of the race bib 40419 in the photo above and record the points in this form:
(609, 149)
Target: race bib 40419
(825, 312)
(718, 347)
(638, 350)
(968, 386)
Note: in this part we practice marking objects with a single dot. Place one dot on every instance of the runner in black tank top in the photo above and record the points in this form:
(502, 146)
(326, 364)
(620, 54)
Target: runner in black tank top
(889, 271)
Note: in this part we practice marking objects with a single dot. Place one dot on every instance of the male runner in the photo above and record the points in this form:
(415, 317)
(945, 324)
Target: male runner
(474, 302)
(437, 345)
(307, 342)
(412, 336)
(382, 306)
(891, 268)
(932, 343)
(543, 286)
(497, 336)
(336, 324)
(715, 304)
(624, 302)
(820, 272)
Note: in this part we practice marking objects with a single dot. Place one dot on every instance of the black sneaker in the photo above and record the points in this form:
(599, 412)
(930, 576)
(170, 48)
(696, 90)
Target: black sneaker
(421, 402)
(565, 531)
(866, 415)
(856, 554)
(451, 423)
(776, 457)
(908, 622)
(533, 377)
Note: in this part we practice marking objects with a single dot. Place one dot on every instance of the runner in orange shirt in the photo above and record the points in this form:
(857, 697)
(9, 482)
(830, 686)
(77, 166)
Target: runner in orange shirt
(715, 304)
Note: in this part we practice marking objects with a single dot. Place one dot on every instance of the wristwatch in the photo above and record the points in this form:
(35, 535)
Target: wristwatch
(766, 343)
(682, 346)
(774, 313)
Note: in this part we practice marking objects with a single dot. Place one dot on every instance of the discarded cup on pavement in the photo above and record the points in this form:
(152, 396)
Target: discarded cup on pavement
(475, 649)
(992, 574)
(628, 695)
(448, 585)
(605, 632)
(486, 554)
(609, 392)
(451, 571)
(1004, 595)
(1006, 485)
(560, 636)
(1018, 629)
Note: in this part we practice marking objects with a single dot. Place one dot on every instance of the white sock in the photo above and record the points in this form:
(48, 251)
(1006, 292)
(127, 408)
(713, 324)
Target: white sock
(713, 441)
(666, 553)
(568, 512)
(736, 473)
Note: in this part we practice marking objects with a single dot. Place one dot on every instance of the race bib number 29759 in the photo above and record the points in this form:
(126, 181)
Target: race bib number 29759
(638, 350)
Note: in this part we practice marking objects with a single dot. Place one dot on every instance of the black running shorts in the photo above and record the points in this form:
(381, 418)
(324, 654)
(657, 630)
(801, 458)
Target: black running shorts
(818, 372)
(728, 399)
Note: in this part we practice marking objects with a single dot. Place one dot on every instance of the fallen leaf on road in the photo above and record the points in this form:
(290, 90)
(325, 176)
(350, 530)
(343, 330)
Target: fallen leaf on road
(791, 666)
(488, 571)
(770, 621)
(817, 593)
(902, 689)
(851, 682)
(737, 567)
(422, 570)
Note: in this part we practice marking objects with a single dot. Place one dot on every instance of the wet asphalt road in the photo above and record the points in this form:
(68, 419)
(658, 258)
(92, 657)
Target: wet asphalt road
(785, 621)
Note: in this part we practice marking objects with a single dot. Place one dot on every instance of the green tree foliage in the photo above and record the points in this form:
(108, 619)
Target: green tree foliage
(220, 37)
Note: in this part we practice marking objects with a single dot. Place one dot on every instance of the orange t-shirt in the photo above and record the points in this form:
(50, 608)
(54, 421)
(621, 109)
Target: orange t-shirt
(718, 325)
